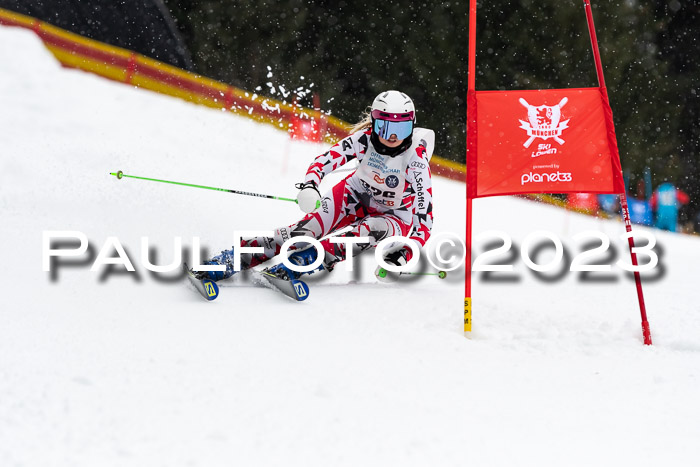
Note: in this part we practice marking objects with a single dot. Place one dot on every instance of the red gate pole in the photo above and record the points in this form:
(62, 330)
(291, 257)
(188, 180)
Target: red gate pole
(646, 331)
(471, 148)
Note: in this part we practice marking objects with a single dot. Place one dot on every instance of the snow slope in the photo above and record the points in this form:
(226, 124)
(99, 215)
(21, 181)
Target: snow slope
(100, 368)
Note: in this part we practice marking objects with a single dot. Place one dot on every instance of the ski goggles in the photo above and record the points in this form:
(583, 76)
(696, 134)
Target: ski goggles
(386, 124)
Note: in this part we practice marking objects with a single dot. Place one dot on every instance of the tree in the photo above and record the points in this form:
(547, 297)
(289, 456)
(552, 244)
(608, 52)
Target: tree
(350, 50)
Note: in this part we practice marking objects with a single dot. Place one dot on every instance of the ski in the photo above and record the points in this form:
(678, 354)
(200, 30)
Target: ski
(206, 288)
(292, 288)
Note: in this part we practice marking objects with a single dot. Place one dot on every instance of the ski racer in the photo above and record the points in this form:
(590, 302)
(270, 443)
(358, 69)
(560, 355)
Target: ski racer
(389, 194)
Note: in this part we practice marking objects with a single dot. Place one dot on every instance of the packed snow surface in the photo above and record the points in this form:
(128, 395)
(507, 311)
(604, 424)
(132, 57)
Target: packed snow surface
(110, 367)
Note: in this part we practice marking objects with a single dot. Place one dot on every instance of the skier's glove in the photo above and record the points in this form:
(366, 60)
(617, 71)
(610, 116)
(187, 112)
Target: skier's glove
(309, 199)
(399, 257)
(396, 258)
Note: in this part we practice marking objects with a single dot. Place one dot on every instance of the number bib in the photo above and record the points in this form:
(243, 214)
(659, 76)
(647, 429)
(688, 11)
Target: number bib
(383, 177)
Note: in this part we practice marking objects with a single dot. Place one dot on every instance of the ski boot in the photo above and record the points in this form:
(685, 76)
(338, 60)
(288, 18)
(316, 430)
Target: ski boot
(300, 258)
(226, 259)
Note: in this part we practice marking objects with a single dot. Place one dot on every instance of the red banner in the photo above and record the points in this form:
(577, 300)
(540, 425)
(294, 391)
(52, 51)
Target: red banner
(542, 141)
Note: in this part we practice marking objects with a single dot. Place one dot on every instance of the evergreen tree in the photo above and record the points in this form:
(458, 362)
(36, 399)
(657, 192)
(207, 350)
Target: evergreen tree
(350, 50)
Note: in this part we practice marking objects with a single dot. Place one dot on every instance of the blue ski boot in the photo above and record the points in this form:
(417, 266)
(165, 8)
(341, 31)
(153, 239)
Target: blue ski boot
(226, 259)
(300, 258)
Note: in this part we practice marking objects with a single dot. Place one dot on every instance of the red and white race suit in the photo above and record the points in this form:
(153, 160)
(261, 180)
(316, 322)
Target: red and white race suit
(385, 196)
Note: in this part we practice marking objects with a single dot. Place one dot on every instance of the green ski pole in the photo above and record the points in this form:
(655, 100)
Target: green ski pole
(441, 274)
(121, 175)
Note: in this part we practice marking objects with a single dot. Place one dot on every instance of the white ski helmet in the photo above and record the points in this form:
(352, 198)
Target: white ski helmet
(393, 115)
(396, 103)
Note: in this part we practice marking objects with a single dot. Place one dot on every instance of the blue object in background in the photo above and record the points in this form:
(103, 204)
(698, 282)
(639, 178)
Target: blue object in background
(609, 203)
(666, 207)
(640, 211)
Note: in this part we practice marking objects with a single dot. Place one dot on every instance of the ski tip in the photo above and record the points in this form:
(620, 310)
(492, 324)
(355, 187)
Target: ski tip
(211, 289)
(206, 288)
(301, 290)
